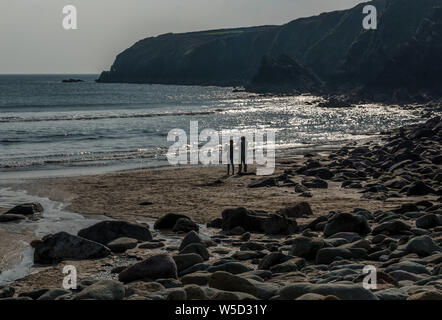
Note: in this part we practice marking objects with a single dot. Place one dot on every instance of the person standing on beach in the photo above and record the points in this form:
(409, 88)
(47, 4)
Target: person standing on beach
(230, 158)
(243, 155)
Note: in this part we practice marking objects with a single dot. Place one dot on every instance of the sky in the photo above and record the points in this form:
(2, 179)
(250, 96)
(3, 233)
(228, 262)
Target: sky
(33, 40)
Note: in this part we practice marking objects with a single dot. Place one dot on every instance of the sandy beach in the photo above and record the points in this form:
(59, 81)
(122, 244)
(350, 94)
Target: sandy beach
(200, 193)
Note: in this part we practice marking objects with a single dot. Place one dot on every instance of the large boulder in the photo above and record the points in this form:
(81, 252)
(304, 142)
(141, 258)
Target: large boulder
(169, 220)
(428, 221)
(347, 222)
(63, 246)
(242, 217)
(160, 266)
(257, 222)
(106, 231)
(279, 224)
(423, 246)
(27, 209)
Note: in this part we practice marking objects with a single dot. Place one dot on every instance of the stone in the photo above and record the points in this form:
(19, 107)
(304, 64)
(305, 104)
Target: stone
(6, 292)
(427, 295)
(306, 247)
(406, 207)
(216, 223)
(230, 267)
(176, 294)
(197, 248)
(232, 296)
(228, 282)
(311, 296)
(346, 222)
(247, 255)
(195, 268)
(428, 221)
(184, 261)
(265, 182)
(156, 267)
(191, 237)
(419, 189)
(291, 265)
(315, 183)
(323, 173)
(195, 292)
(106, 231)
(391, 294)
(237, 231)
(298, 210)
(342, 291)
(27, 209)
(392, 227)
(408, 266)
(102, 290)
(150, 245)
(242, 217)
(279, 224)
(169, 220)
(142, 288)
(272, 259)
(185, 225)
(197, 278)
(328, 255)
(63, 246)
(52, 294)
(122, 244)
(423, 246)
(9, 217)
(35, 294)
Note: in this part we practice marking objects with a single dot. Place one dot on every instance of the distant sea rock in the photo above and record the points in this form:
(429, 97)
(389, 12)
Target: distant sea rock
(72, 80)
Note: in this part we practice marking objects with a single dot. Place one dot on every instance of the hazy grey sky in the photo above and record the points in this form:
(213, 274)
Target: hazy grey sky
(32, 39)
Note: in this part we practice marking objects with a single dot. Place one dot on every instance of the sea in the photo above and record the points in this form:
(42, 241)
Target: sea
(48, 127)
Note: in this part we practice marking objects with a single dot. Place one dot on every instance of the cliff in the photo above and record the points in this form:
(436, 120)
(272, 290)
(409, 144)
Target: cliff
(330, 51)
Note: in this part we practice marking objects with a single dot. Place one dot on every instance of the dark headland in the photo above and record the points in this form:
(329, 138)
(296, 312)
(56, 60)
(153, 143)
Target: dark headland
(327, 54)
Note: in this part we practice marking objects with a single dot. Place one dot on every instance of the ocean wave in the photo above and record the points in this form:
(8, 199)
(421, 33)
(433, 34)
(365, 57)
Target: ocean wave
(83, 157)
(105, 116)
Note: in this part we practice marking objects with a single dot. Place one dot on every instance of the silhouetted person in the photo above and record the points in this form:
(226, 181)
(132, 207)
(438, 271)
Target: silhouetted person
(230, 158)
(243, 155)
